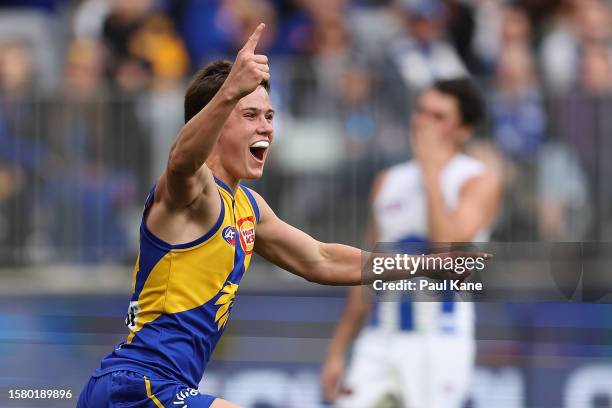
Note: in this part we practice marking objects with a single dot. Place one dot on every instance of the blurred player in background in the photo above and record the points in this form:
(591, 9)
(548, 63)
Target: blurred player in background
(196, 240)
(422, 353)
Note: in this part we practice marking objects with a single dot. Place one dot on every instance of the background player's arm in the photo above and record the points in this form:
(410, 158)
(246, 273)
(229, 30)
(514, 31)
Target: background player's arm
(186, 176)
(478, 202)
(358, 306)
(478, 199)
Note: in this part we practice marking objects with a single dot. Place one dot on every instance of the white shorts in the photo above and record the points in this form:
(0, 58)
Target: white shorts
(421, 370)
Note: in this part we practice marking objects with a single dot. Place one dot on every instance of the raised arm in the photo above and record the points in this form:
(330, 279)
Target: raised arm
(478, 203)
(479, 197)
(186, 176)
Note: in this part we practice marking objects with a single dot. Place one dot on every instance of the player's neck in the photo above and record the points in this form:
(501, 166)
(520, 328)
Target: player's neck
(220, 173)
(228, 180)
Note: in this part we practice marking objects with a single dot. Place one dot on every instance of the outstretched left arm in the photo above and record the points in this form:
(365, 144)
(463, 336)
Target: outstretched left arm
(328, 264)
(301, 254)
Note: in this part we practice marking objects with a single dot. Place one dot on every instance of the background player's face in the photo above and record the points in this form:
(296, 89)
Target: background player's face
(250, 122)
(440, 111)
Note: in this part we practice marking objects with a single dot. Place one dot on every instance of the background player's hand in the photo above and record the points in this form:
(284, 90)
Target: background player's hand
(332, 372)
(249, 69)
(432, 149)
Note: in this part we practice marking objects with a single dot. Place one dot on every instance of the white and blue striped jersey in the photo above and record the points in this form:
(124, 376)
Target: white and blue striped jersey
(400, 212)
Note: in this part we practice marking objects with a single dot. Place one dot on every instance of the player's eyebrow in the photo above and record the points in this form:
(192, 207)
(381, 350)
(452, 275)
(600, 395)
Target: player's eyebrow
(257, 110)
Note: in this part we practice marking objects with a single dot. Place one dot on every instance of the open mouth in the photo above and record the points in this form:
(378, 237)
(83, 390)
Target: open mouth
(258, 149)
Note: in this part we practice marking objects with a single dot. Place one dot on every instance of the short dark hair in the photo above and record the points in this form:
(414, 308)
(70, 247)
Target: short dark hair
(205, 84)
(470, 101)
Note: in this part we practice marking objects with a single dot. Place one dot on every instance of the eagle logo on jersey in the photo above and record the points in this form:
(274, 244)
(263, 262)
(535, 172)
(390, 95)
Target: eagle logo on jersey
(246, 232)
(229, 235)
(225, 302)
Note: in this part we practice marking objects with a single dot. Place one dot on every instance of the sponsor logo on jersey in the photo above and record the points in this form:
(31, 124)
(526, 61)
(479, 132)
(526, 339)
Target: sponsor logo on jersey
(229, 235)
(181, 396)
(246, 232)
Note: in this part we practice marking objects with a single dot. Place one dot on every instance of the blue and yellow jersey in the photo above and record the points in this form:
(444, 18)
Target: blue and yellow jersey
(183, 294)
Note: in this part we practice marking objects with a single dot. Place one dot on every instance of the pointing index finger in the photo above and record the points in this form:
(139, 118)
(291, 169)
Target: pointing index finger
(254, 38)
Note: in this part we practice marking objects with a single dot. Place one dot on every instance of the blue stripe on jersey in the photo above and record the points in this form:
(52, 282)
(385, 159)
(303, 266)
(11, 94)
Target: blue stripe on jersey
(144, 230)
(406, 316)
(406, 322)
(412, 238)
(238, 270)
(146, 259)
(224, 186)
(146, 262)
(150, 197)
(448, 305)
(373, 321)
(252, 200)
(149, 258)
(406, 309)
(169, 334)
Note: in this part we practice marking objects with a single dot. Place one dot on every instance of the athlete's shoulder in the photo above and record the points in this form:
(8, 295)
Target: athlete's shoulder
(260, 206)
(249, 192)
(388, 176)
(467, 160)
(392, 173)
(407, 165)
(476, 173)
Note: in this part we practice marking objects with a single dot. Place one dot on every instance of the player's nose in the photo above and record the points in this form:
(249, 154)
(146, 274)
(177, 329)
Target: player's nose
(265, 127)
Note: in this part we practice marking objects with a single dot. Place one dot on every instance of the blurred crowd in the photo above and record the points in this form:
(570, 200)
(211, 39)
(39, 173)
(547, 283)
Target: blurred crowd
(91, 100)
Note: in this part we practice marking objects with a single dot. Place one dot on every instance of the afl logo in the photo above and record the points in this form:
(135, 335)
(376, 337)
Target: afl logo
(229, 235)
(246, 232)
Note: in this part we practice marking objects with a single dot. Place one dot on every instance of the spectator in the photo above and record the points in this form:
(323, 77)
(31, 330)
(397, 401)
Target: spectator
(161, 106)
(582, 119)
(363, 144)
(241, 17)
(515, 29)
(125, 20)
(22, 150)
(488, 24)
(517, 114)
(89, 17)
(414, 59)
(422, 55)
(461, 26)
(216, 28)
(581, 22)
(499, 27)
(313, 102)
(158, 44)
(317, 71)
(90, 181)
(564, 212)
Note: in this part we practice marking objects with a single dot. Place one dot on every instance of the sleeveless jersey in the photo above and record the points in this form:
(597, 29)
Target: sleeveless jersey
(183, 294)
(400, 211)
